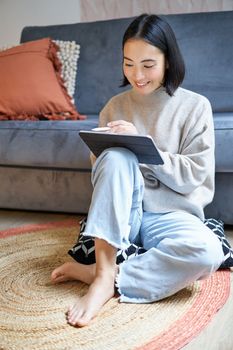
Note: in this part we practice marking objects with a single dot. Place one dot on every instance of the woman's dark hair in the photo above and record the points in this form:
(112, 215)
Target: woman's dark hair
(157, 32)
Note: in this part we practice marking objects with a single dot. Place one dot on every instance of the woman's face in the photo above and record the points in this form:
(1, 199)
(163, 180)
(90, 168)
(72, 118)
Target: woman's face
(144, 65)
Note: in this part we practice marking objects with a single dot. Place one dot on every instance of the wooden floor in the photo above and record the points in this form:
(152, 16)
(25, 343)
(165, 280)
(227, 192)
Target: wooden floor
(218, 335)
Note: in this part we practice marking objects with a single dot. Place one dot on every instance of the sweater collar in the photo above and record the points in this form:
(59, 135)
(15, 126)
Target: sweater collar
(155, 96)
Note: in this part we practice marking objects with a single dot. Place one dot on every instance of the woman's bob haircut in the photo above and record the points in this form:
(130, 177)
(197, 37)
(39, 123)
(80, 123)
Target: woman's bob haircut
(157, 32)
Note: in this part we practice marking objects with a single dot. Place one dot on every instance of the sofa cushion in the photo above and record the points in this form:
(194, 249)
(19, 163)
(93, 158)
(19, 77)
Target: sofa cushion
(31, 86)
(84, 250)
(45, 144)
(68, 55)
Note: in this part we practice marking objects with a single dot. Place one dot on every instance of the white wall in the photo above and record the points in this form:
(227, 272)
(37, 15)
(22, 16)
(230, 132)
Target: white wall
(16, 14)
(92, 10)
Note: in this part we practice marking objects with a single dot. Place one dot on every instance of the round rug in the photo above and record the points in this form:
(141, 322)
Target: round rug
(32, 309)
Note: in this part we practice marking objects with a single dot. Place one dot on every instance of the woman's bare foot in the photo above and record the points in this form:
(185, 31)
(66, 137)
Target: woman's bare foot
(87, 307)
(74, 271)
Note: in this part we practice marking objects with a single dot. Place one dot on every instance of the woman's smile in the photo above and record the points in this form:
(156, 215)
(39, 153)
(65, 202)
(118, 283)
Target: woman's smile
(141, 85)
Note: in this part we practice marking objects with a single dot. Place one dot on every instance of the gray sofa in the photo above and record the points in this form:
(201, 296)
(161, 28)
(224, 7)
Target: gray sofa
(44, 165)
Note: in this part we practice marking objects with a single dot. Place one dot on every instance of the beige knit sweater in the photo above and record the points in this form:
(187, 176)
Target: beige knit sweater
(182, 128)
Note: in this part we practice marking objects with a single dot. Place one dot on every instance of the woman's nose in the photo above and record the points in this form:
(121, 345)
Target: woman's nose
(138, 74)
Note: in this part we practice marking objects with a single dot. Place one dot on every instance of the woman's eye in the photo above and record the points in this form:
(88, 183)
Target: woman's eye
(128, 65)
(149, 66)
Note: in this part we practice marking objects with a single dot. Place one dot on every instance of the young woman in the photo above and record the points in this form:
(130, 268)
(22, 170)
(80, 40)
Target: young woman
(159, 207)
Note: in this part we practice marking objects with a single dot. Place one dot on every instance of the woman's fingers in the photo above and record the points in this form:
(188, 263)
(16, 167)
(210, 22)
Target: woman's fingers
(122, 127)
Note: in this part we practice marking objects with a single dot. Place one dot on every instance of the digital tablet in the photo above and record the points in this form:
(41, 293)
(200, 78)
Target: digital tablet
(142, 146)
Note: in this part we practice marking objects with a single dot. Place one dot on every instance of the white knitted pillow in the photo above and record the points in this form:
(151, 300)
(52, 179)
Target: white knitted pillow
(68, 55)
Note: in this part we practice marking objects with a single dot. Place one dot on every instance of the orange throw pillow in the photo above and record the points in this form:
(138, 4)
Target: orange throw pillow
(31, 86)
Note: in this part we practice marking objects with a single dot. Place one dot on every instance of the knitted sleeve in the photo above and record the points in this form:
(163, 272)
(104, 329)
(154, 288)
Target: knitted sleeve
(186, 171)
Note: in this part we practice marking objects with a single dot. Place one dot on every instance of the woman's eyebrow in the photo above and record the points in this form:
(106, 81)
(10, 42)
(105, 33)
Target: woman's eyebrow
(146, 60)
(126, 58)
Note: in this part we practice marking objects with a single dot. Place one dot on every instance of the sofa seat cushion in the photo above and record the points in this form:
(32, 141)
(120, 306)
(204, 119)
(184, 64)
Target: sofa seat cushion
(51, 143)
(223, 124)
(45, 144)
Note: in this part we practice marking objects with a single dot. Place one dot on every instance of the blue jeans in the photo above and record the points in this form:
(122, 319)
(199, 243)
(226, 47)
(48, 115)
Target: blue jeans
(180, 248)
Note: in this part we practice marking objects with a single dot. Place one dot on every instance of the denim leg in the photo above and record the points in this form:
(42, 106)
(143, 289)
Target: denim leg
(180, 250)
(115, 212)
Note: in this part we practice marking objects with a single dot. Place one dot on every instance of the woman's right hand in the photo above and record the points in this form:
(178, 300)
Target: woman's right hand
(122, 127)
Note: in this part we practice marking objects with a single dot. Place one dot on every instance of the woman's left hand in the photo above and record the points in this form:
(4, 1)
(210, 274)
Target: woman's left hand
(122, 127)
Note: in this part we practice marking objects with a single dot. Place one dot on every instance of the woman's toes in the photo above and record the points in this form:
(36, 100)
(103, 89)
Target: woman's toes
(55, 275)
(83, 321)
(79, 319)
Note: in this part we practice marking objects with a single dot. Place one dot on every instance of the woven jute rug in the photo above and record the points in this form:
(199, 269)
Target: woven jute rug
(32, 309)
